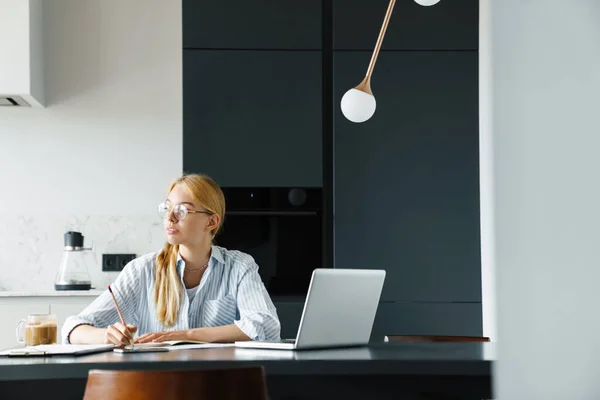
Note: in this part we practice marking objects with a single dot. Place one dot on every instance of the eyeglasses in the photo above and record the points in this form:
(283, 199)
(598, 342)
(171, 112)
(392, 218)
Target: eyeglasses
(180, 212)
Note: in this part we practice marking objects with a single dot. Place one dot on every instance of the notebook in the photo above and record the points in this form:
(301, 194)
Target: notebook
(57, 350)
(182, 345)
(168, 343)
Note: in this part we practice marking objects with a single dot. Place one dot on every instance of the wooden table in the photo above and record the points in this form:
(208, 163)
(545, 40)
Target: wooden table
(378, 371)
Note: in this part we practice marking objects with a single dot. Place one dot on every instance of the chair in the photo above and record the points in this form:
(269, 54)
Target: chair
(223, 384)
(433, 338)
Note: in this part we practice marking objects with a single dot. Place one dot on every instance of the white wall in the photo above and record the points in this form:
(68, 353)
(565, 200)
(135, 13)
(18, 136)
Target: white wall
(546, 139)
(101, 155)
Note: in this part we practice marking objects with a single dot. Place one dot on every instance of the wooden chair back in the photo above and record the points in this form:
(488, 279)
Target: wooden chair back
(223, 384)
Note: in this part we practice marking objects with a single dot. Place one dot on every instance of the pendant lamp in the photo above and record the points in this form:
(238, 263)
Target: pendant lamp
(358, 104)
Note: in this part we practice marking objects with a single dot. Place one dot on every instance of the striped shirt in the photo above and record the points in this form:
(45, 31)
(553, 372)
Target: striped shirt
(230, 292)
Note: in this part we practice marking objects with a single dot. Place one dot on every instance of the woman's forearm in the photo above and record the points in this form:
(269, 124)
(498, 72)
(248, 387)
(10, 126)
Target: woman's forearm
(87, 334)
(218, 334)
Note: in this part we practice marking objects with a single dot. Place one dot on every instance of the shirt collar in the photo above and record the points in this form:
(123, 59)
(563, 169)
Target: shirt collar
(215, 254)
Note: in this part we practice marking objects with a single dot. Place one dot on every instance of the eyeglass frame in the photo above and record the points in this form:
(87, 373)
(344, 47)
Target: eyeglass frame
(188, 211)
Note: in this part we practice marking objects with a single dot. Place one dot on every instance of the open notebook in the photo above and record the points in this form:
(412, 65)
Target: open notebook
(57, 350)
(168, 343)
(183, 344)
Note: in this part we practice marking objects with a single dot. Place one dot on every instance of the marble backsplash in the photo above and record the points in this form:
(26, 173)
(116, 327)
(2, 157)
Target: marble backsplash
(31, 247)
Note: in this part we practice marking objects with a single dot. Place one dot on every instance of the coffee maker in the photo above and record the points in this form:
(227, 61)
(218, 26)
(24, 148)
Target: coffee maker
(73, 273)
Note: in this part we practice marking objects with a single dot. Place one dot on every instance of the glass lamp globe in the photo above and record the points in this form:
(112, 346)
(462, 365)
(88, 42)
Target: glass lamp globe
(358, 106)
(427, 2)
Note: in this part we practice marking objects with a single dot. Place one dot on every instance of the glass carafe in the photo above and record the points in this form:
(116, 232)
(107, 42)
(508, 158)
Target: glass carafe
(73, 273)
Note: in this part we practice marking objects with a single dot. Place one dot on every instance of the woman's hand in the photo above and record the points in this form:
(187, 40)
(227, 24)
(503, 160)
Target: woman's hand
(163, 336)
(119, 334)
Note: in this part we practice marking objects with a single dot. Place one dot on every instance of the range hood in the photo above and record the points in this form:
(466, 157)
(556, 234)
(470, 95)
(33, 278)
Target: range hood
(21, 54)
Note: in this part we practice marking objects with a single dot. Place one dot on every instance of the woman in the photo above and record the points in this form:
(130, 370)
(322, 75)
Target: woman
(224, 298)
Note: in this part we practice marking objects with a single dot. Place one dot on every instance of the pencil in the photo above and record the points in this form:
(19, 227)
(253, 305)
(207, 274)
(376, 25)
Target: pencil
(118, 309)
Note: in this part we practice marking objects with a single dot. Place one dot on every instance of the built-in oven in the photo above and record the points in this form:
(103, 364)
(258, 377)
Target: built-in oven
(281, 228)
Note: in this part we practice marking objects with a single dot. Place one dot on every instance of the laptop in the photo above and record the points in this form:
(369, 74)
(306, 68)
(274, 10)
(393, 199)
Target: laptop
(339, 311)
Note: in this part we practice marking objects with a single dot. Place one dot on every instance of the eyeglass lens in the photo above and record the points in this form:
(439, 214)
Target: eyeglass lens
(179, 211)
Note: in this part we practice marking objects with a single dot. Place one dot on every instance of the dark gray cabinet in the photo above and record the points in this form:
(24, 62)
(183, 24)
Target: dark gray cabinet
(407, 180)
(252, 24)
(444, 319)
(253, 118)
(448, 25)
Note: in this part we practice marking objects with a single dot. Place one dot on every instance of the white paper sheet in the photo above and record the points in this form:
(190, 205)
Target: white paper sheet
(56, 349)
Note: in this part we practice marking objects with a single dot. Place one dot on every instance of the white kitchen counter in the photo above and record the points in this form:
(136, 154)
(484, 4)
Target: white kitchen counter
(54, 293)
(14, 306)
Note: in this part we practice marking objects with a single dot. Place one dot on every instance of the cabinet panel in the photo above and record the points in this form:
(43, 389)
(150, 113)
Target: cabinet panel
(407, 180)
(289, 314)
(252, 24)
(253, 118)
(452, 319)
(402, 319)
(449, 25)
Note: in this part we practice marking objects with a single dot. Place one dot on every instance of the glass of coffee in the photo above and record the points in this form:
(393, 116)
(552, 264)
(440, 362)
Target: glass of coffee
(37, 329)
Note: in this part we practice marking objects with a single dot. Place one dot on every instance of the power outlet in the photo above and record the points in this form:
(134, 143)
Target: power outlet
(115, 262)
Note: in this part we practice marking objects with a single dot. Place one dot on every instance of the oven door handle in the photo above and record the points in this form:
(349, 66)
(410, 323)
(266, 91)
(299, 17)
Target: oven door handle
(273, 213)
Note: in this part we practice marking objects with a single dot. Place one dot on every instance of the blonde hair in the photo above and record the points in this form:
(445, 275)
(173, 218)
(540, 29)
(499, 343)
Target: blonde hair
(167, 283)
